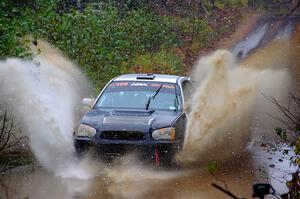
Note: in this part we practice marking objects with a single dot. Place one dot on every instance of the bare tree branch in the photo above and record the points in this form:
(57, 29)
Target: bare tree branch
(291, 116)
(11, 140)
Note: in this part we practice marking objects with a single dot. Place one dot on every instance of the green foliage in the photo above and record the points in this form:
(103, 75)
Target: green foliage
(221, 4)
(211, 167)
(162, 61)
(277, 7)
(235, 3)
(208, 5)
(99, 41)
(106, 41)
(194, 33)
(281, 133)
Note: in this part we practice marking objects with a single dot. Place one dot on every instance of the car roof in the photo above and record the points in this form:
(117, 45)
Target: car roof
(149, 77)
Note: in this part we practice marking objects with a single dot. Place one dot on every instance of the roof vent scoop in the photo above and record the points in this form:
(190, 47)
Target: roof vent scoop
(145, 76)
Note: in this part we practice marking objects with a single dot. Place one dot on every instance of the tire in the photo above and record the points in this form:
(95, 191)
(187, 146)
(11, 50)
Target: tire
(81, 149)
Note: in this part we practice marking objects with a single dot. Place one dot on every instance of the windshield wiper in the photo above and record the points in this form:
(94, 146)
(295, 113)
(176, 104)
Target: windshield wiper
(152, 97)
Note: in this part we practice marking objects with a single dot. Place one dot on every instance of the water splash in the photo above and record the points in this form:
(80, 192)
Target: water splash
(224, 107)
(229, 107)
(131, 180)
(44, 95)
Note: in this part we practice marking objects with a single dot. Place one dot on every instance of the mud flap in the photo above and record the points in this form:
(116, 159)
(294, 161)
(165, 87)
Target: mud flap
(156, 156)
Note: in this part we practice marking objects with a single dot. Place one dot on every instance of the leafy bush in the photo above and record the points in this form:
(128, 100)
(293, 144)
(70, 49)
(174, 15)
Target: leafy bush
(197, 32)
(160, 62)
(278, 7)
(99, 41)
(106, 41)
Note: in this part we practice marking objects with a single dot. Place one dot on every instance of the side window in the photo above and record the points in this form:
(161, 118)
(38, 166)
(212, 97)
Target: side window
(187, 88)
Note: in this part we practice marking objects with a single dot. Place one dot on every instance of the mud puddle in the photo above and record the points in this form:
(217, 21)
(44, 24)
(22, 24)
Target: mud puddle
(129, 183)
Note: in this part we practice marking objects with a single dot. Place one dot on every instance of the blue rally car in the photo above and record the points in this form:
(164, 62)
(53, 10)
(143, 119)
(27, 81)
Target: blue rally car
(142, 113)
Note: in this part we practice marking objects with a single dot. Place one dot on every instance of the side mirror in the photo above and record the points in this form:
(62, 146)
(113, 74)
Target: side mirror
(87, 102)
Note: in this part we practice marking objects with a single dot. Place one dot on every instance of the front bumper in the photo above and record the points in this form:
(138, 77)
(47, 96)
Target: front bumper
(145, 149)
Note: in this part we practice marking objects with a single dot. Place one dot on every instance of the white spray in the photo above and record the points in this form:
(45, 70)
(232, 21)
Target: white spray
(44, 95)
(223, 107)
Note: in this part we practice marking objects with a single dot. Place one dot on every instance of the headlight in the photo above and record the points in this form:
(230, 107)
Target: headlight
(85, 130)
(164, 134)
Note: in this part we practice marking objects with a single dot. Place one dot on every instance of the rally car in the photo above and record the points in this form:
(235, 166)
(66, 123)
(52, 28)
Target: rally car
(143, 113)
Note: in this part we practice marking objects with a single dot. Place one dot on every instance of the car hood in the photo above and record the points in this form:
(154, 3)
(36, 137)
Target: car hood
(129, 120)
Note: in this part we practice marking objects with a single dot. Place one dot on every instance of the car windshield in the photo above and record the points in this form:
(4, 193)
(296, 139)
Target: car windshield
(139, 95)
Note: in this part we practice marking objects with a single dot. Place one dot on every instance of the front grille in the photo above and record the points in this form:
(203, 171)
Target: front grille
(126, 120)
(122, 135)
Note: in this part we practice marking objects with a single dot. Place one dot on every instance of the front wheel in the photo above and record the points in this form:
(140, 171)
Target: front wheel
(81, 148)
